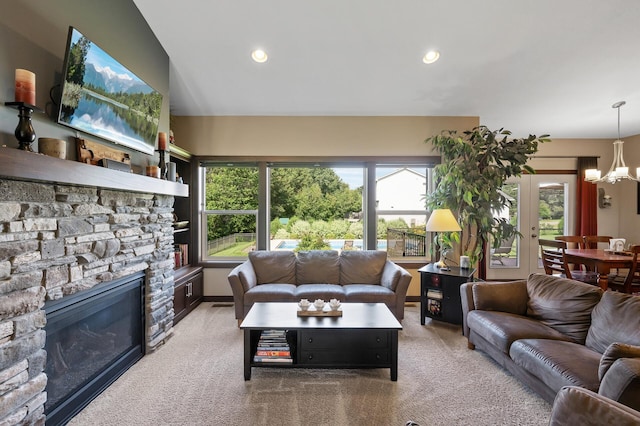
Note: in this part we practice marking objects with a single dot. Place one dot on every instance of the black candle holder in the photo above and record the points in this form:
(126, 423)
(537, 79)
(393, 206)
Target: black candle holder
(162, 163)
(24, 131)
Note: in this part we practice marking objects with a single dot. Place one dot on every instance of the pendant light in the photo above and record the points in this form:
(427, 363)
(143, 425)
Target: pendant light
(619, 169)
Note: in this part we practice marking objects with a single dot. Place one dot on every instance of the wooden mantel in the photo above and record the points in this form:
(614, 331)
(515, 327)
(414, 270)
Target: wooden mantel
(24, 165)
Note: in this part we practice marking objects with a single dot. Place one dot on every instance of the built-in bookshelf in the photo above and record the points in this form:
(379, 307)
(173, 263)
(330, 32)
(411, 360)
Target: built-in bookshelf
(188, 279)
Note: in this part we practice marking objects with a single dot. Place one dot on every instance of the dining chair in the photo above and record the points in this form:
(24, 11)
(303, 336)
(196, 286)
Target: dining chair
(630, 283)
(578, 240)
(592, 241)
(555, 263)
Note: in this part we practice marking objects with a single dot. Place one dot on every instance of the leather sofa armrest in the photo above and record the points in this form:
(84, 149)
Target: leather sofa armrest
(241, 278)
(466, 298)
(392, 276)
(578, 406)
(396, 278)
(621, 382)
(493, 296)
(615, 351)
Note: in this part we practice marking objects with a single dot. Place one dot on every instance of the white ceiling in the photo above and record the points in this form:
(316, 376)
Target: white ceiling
(530, 66)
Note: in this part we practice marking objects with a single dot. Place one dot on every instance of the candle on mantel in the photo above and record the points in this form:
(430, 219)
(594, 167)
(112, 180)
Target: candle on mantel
(25, 87)
(162, 141)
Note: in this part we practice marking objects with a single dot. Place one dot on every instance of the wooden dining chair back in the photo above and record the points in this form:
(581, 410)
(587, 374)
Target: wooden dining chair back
(554, 262)
(573, 241)
(631, 284)
(592, 241)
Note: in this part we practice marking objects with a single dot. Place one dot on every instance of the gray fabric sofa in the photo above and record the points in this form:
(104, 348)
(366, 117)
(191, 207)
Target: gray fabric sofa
(578, 406)
(349, 276)
(553, 332)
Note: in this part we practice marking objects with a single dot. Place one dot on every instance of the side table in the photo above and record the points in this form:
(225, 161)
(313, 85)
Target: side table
(440, 293)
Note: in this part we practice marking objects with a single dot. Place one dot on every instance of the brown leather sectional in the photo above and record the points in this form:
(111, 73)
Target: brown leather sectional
(553, 332)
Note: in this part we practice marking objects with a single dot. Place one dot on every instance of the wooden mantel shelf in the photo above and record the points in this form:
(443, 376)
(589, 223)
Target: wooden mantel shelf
(24, 165)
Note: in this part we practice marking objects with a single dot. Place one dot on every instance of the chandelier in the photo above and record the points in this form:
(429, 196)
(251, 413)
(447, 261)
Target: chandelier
(618, 170)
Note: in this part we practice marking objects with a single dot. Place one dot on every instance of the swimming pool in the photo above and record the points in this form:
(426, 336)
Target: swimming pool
(334, 244)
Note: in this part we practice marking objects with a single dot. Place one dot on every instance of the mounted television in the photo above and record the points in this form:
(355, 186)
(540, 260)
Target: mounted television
(103, 98)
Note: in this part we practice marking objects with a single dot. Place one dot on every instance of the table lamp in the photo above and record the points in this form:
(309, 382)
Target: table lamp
(442, 220)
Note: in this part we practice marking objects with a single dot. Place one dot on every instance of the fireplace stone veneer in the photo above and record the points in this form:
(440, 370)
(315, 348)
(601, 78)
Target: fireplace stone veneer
(57, 240)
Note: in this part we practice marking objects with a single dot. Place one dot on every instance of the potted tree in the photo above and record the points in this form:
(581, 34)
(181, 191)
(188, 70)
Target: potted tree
(474, 167)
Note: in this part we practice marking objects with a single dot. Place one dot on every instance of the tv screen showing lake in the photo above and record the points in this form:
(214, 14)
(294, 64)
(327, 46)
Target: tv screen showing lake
(103, 98)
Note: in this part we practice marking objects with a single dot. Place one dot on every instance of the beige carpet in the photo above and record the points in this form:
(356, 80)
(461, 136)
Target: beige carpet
(197, 379)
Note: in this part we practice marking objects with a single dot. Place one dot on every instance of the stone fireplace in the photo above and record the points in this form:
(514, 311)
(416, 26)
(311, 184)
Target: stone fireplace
(57, 240)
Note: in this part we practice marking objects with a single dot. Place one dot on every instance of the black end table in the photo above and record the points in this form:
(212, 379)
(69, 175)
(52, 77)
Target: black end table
(440, 292)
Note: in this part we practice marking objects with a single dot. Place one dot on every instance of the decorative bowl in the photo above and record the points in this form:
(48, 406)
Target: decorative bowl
(304, 304)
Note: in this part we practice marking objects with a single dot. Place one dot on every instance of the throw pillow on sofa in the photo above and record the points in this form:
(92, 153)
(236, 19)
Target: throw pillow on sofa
(274, 267)
(562, 304)
(362, 266)
(318, 267)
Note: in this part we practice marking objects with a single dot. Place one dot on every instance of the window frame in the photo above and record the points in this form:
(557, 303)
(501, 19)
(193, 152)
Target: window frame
(368, 164)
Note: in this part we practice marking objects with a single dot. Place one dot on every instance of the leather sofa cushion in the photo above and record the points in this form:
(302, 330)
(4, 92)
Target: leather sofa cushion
(274, 266)
(613, 352)
(320, 291)
(501, 329)
(369, 293)
(615, 319)
(318, 266)
(362, 266)
(557, 363)
(504, 297)
(562, 304)
(270, 293)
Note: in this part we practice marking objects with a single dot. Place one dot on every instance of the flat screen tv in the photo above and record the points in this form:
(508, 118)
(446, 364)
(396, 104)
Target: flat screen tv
(103, 98)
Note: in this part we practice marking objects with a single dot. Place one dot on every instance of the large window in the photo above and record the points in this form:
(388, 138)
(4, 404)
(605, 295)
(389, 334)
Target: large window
(305, 206)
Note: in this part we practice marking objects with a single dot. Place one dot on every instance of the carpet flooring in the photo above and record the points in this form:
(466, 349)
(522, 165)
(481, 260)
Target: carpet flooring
(196, 378)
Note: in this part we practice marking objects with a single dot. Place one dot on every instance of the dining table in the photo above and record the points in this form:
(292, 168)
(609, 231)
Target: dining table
(600, 261)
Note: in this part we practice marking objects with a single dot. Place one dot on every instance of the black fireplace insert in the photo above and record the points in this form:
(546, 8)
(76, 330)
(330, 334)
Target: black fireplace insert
(92, 338)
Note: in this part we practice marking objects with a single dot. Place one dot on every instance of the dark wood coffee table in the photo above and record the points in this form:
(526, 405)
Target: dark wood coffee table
(365, 336)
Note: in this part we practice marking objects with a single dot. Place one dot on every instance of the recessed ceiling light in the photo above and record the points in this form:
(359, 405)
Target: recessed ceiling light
(431, 56)
(259, 56)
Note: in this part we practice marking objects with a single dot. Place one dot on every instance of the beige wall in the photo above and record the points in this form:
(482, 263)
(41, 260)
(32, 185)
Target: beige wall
(625, 194)
(312, 136)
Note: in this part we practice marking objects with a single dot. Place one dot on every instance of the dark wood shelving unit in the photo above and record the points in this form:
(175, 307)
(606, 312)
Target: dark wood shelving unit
(188, 279)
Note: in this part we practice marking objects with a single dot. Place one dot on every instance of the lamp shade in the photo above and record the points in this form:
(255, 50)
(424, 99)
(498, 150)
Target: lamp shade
(442, 220)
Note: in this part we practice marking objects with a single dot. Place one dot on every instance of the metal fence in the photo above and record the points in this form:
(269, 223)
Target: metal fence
(222, 243)
(405, 242)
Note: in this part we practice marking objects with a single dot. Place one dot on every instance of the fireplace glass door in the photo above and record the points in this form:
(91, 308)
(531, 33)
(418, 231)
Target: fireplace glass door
(92, 338)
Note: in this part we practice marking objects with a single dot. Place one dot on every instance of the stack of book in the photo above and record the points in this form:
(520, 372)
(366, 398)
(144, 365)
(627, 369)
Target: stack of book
(273, 347)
